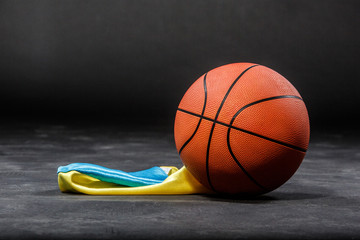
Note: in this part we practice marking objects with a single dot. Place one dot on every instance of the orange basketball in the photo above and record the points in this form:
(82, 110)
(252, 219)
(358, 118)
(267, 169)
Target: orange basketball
(242, 128)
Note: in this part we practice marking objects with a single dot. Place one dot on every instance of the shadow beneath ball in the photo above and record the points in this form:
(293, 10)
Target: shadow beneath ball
(240, 198)
(265, 198)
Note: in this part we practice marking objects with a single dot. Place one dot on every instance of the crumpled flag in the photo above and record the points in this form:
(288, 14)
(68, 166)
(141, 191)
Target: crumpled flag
(97, 180)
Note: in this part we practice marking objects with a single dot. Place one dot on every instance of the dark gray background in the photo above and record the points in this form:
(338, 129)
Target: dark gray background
(131, 61)
(118, 63)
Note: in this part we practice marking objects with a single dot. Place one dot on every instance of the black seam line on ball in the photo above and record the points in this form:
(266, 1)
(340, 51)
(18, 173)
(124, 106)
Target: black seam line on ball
(260, 101)
(216, 117)
(229, 129)
(245, 131)
(202, 113)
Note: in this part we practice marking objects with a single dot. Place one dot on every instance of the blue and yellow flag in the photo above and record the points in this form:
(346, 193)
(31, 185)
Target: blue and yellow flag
(97, 180)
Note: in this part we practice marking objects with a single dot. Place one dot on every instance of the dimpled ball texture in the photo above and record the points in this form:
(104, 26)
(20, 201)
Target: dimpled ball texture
(242, 128)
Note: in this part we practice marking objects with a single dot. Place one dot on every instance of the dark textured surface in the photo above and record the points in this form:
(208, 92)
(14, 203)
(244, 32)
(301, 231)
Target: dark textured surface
(320, 201)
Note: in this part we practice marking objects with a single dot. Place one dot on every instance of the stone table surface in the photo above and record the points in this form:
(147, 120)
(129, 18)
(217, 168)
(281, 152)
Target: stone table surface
(321, 201)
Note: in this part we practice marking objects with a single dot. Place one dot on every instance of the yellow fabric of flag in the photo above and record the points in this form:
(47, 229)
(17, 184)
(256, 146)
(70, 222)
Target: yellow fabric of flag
(178, 182)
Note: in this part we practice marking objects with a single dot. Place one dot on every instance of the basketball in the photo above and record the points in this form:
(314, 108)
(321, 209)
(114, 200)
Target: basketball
(242, 128)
